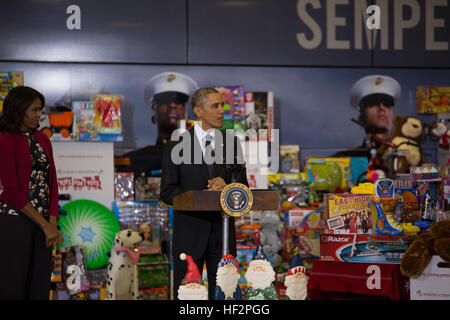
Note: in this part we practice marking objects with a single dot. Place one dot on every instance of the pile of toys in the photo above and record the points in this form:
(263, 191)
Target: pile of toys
(99, 119)
(376, 222)
(137, 208)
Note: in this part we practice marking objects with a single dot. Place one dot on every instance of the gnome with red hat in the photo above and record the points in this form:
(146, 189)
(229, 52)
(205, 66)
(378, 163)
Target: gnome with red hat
(296, 281)
(227, 278)
(192, 287)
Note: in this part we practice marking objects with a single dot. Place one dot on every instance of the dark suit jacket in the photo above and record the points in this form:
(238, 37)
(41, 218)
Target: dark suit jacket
(192, 229)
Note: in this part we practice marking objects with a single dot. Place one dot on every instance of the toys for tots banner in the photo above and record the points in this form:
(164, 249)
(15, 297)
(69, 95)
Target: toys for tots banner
(85, 170)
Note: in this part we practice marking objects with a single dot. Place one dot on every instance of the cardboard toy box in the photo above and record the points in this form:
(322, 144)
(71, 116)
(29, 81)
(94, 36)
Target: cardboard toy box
(433, 283)
(348, 213)
(234, 101)
(307, 218)
(363, 248)
(259, 111)
(431, 100)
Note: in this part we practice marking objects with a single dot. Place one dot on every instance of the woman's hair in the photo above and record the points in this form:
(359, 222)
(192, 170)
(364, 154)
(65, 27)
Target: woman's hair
(16, 103)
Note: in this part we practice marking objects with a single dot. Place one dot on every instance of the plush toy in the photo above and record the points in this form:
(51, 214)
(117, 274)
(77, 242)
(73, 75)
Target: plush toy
(122, 281)
(270, 221)
(421, 250)
(408, 132)
(439, 131)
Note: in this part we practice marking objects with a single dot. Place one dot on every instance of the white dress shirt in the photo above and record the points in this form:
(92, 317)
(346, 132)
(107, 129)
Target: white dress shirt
(201, 136)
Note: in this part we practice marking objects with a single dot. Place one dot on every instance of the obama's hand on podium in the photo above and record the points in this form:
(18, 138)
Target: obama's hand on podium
(216, 184)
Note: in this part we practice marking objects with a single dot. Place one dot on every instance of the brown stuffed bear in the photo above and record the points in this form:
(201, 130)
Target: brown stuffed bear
(421, 250)
(407, 132)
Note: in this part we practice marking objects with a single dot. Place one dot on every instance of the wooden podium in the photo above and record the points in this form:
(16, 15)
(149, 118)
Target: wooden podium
(210, 201)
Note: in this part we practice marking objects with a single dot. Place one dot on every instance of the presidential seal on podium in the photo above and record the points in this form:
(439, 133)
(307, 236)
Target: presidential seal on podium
(236, 199)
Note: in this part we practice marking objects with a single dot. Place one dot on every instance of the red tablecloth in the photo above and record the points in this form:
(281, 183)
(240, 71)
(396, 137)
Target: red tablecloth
(339, 280)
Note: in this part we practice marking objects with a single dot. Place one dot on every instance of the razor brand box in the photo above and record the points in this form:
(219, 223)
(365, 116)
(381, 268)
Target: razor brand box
(363, 248)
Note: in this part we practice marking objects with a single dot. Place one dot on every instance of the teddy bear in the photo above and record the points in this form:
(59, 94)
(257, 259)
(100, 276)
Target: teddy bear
(439, 131)
(407, 132)
(424, 246)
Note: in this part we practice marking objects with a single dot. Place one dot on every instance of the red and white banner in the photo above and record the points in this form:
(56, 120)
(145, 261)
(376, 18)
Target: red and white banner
(85, 170)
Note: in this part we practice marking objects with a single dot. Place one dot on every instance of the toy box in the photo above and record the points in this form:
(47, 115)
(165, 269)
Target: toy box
(411, 204)
(433, 283)
(9, 80)
(329, 173)
(432, 99)
(290, 158)
(308, 242)
(147, 188)
(348, 213)
(302, 218)
(123, 186)
(363, 248)
(98, 120)
(234, 101)
(161, 293)
(247, 239)
(259, 113)
(244, 256)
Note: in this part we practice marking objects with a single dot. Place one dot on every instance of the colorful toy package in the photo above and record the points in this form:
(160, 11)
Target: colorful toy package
(329, 173)
(147, 188)
(290, 158)
(123, 186)
(161, 293)
(234, 101)
(9, 80)
(84, 124)
(432, 99)
(153, 271)
(259, 111)
(363, 248)
(56, 266)
(348, 213)
(411, 204)
(303, 218)
(74, 276)
(308, 242)
(98, 120)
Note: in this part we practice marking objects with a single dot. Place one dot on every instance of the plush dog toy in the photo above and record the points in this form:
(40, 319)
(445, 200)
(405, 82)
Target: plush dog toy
(439, 131)
(122, 282)
(421, 250)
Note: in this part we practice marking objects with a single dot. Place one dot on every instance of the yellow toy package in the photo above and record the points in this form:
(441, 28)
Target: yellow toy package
(329, 173)
(9, 80)
(108, 113)
(348, 213)
(430, 100)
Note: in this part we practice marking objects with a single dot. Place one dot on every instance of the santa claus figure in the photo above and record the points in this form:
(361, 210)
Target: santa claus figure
(260, 276)
(227, 278)
(192, 287)
(296, 281)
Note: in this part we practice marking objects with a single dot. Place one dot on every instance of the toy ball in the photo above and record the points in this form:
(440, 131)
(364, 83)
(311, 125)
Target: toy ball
(92, 225)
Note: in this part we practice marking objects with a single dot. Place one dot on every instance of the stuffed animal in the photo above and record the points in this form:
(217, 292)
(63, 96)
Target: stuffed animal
(408, 132)
(270, 221)
(421, 250)
(122, 281)
(439, 131)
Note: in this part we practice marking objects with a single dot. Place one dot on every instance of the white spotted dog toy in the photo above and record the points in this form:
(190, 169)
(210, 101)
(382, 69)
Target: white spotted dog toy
(122, 282)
